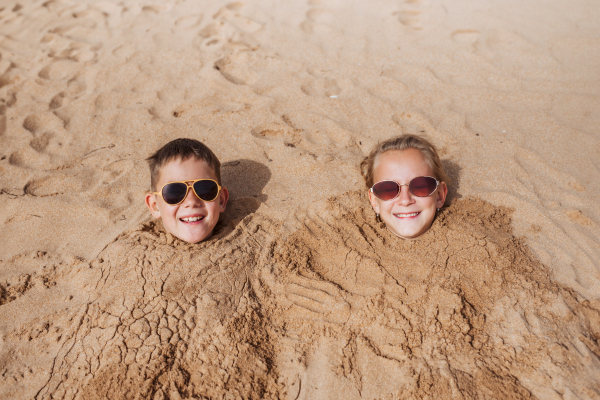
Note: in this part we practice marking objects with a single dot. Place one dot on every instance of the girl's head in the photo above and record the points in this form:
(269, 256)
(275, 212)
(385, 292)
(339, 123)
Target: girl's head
(406, 205)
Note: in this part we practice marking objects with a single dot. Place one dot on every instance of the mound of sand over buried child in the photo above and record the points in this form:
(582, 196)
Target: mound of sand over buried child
(465, 311)
(169, 320)
(339, 309)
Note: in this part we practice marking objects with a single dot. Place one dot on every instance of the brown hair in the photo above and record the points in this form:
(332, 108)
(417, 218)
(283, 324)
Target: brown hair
(182, 149)
(404, 142)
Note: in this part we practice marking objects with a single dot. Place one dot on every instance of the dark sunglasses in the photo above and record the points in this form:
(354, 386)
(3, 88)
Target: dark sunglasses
(175, 192)
(421, 186)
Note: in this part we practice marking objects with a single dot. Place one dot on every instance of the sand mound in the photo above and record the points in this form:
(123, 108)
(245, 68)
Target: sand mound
(465, 311)
(168, 319)
(339, 309)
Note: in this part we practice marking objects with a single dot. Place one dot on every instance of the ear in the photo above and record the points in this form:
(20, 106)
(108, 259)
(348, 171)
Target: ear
(223, 199)
(151, 204)
(374, 202)
(442, 192)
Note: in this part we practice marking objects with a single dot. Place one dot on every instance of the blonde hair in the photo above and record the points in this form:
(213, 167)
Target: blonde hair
(404, 142)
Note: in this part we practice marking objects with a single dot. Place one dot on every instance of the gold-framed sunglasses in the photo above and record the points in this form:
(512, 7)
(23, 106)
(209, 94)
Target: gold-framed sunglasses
(175, 192)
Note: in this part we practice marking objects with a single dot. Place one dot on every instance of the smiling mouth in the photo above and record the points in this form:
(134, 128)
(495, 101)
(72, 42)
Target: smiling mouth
(192, 219)
(407, 215)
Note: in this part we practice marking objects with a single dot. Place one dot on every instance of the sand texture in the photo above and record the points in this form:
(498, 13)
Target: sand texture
(301, 293)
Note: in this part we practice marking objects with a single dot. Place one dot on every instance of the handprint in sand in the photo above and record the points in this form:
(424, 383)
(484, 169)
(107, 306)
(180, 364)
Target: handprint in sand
(318, 299)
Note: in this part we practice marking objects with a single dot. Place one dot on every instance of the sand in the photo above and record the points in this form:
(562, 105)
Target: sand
(301, 293)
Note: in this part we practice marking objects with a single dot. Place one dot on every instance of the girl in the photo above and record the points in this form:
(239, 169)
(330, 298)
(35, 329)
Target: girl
(407, 186)
(406, 183)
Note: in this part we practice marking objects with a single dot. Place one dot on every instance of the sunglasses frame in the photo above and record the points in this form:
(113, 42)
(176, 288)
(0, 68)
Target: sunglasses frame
(189, 184)
(437, 184)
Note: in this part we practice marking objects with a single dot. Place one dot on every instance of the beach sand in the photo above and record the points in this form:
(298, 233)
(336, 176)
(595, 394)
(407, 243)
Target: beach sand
(500, 299)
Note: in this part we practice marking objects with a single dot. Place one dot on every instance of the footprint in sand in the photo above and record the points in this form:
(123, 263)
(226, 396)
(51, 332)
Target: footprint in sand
(231, 29)
(236, 68)
(11, 290)
(320, 85)
(467, 36)
(189, 21)
(318, 21)
(12, 14)
(154, 9)
(115, 170)
(48, 134)
(230, 13)
(106, 101)
(252, 68)
(28, 271)
(579, 217)
(409, 14)
(171, 95)
(41, 142)
(55, 184)
(11, 76)
(323, 135)
(28, 159)
(65, 49)
(54, 5)
(203, 107)
(278, 132)
(42, 122)
(80, 40)
(58, 101)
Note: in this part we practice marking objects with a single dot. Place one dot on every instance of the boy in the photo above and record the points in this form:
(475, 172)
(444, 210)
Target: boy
(187, 194)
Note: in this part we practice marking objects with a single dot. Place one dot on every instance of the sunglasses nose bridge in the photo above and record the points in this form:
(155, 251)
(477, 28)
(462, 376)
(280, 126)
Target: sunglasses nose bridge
(400, 189)
(188, 186)
(406, 196)
(191, 196)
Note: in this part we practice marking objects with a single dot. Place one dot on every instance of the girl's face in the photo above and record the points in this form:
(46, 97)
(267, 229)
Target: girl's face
(407, 215)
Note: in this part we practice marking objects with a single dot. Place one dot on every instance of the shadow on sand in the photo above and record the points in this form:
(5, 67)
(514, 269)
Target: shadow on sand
(245, 181)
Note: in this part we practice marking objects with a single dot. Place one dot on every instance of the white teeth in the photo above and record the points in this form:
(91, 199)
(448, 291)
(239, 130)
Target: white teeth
(407, 215)
(192, 219)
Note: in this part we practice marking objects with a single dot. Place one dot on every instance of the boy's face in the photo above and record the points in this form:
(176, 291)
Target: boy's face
(176, 217)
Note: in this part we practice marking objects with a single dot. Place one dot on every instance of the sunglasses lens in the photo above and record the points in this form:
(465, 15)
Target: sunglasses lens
(206, 190)
(386, 190)
(174, 193)
(422, 186)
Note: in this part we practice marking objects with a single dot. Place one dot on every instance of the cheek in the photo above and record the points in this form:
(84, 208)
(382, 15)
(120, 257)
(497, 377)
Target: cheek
(428, 202)
(168, 212)
(213, 208)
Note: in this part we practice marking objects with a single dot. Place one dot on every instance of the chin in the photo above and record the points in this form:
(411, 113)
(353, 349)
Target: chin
(405, 235)
(408, 233)
(192, 238)
(199, 238)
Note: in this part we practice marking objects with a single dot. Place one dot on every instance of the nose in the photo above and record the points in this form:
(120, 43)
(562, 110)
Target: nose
(404, 198)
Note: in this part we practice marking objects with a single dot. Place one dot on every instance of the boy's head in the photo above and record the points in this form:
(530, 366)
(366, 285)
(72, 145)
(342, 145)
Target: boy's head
(174, 197)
